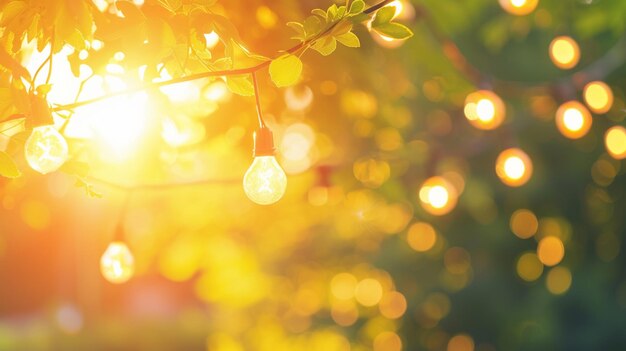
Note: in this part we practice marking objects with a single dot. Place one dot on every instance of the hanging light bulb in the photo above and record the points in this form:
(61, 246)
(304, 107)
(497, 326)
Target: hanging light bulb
(46, 150)
(573, 120)
(598, 96)
(513, 167)
(265, 181)
(519, 7)
(117, 263)
(564, 52)
(484, 109)
(438, 196)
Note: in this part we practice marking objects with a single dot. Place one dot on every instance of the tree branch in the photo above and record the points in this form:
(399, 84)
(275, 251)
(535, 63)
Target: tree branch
(209, 74)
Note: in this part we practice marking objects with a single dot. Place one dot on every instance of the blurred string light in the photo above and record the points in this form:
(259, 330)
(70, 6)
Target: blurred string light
(514, 167)
(564, 52)
(615, 142)
(550, 250)
(529, 267)
(573, 119)
(559, 280)
(524, 223)
(484, 109)
(598, 96)
(519, 7)
(421, 236)
(438, 196)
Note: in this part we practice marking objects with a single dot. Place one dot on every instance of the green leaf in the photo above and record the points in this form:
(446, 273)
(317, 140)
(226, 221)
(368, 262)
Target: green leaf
(325, 46)
(394, 30)
(384, 15)
(319, 12)
(240, 85)
(312, 26)
(341, 28)
(299, 28)
(340, 12)
(8, 168)
(349, 39)
(357, 7)
(331, 14)
(285, 70)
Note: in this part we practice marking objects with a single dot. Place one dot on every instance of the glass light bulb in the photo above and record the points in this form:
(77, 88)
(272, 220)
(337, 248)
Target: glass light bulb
(117, 263)
(46, 150)
(265, 182)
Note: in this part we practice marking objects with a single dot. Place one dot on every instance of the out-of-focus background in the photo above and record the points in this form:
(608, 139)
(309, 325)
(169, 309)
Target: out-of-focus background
(366, 250)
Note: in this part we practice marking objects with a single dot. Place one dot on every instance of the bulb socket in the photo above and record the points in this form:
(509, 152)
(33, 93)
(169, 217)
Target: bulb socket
(263, 142)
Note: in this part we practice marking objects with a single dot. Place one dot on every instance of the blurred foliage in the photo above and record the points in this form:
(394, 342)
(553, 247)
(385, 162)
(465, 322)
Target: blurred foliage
(349, 259)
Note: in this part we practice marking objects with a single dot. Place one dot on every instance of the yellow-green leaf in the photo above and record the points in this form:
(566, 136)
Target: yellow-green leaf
(240, 85)
(285, 70)
(357, 7)
(394, 30)
(349, 39)
(384, 15)
(325, 46)
(8, 168)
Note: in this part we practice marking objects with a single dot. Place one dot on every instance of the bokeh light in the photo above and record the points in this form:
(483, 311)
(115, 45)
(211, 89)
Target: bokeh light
(615, 142)
(438, 196)
(573, 120)
(421, 236)
(564, 52)
(387, 341)
(550, 250)
(393, 305)
(369, 292)
(559, 280)
(514, 167)
(524, 223)
(461, 342)
(529, 267)
(519, 7)
(484, 109)
(343, 286)
(598, 96)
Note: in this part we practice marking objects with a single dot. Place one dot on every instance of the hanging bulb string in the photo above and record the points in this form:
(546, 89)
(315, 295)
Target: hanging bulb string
(257, 100)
